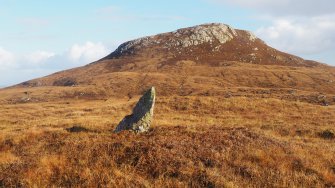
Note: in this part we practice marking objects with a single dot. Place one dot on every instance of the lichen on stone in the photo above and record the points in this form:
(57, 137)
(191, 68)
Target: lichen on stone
(141, 118)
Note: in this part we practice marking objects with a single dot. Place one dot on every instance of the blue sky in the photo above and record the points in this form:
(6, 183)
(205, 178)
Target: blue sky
(41, 37)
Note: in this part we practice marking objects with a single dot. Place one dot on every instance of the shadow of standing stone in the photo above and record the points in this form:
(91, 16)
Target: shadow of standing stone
(76, 129)
(140, 119)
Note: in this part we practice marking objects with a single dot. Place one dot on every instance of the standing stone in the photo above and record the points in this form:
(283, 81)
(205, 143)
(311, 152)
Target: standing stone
(140, 119)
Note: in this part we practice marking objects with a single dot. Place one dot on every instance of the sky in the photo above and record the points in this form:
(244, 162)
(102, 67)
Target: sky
(40, 37)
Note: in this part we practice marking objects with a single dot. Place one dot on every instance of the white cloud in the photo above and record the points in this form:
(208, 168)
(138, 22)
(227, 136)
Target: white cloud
(302, 27)
(286, 7)
(7, 59)
(15, 68)
(39, 56)
(87, 52)
(300, 35)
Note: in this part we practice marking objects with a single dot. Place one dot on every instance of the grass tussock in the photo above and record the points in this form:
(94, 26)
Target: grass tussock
(77, 129)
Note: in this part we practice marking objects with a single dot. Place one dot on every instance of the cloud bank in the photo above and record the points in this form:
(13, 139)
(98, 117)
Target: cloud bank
(88, 52)
(40, 63)
(286, 7)
(302, 27)
(301, 35)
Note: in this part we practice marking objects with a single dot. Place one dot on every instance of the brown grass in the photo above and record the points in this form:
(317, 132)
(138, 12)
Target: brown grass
(196, 141)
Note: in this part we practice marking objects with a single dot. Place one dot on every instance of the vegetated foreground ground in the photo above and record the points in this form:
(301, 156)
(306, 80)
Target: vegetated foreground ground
(195, 141)
(241, 114)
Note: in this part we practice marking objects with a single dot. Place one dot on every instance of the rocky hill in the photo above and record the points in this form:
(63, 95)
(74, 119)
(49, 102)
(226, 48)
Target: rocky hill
(205, 60)
(208, 44)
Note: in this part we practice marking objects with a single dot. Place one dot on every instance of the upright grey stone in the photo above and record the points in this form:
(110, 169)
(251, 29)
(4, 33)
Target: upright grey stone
(140, 119)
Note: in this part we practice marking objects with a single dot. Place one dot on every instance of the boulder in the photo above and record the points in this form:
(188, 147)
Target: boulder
(141, 118)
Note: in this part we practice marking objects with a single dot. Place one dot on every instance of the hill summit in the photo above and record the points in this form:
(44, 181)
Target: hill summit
(212, 43)
(212, 34)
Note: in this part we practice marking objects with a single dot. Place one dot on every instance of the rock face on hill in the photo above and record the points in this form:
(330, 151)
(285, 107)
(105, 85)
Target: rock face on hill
(183, 38)
(141, 118)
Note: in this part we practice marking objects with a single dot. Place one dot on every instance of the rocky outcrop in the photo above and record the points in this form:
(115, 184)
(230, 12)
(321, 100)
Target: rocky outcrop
(214, 33)
(197, 35)
(65, 82)
(141, 118)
